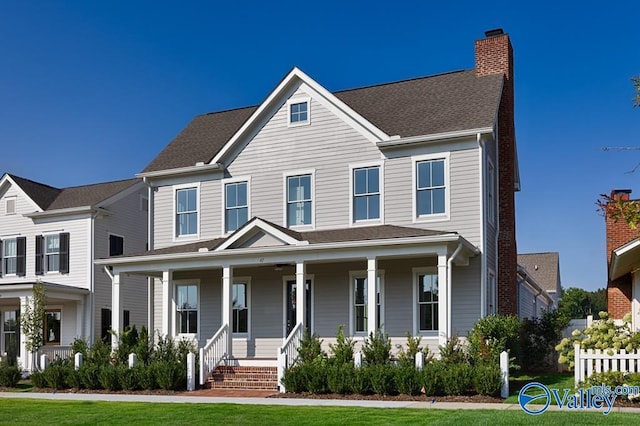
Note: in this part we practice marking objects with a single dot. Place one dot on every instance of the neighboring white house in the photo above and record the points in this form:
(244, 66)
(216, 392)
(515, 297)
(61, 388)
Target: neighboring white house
(387, 204)
(53, 235)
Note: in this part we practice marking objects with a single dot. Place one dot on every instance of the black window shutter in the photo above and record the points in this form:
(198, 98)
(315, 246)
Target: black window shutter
(125, 319)
(105, 324)
(21, 260)
(1, 258)
(39, 255)
(64, 253)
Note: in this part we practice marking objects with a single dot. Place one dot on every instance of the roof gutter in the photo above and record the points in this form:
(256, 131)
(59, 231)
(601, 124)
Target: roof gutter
(182, 171)
(435, 137)
(68, 211)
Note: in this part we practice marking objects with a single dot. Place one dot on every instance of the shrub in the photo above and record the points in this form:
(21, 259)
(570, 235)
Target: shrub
(130, 378)
(144, 348)
(610, 378)
(339, 377)
(487, 379)
(9, 374)
(146, 376)
(165, 349)
(127, 342)
(408, 356)
(310, 348)
(342, 351)
(315, 375)
(109, 377)
(382, 378)
(377, 348)
(293, 380)
(99, 353)
(457, 379)
(453, 352)
(360, 382)
(407, 379)
(538, 339)
(90, 376)
(80, 346)
(55, 375)
(38, 380)
(492, 335)
(432, 378)
(170, 375)
(74, 380)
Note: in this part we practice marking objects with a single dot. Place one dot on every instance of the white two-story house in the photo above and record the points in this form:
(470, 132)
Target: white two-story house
(392, 206)
(53, 236)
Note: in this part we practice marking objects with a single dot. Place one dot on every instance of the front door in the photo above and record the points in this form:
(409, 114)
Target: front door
(291, 305)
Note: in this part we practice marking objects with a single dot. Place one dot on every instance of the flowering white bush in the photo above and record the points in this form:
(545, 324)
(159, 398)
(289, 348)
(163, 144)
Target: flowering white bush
(603, 334)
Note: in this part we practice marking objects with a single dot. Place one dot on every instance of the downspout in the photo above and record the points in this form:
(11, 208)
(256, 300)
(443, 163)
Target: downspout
(483, 224)
(150, 280)
(449, 293)
(92, 298)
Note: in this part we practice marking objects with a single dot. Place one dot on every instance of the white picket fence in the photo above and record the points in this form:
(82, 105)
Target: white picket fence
(591, 361)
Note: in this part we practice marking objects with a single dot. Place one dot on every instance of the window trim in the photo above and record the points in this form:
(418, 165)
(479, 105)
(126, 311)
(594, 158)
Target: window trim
(437, 217)
(492, 207)
(416, 272)
(45, 263)
(244, 335)
(3, 252)
(224, 183)
(295, 101)
(109, 235)
(285, 209)
(364, 165)
(352, 277)
(14, 199)
(174, 212)
(53, 308)
(174, 305)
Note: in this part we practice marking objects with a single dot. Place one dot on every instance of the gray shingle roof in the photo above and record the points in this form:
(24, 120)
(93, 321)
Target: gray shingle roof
(543, 267)
(50, 198)
(422, 106)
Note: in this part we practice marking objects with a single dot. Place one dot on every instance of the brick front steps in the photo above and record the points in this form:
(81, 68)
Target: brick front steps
(244, 377)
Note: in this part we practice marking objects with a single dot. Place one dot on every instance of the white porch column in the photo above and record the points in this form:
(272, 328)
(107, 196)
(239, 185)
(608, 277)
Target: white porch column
(166, 302)
(301, 286)
(372, 302)
(80, 312)
(24, 358)
(151, 300)
(443, 301)
(116, 302)
(227, 305)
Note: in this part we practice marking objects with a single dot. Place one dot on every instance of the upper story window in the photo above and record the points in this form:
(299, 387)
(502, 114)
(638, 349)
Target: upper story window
(366, 193)
(298, 112)
(187, 308)
(10, 205)
(52, 253)
(13, 256)
(116, 245)
(236, 205)
(299, 200)
(431, 187)
(186, 211)
(491, 192)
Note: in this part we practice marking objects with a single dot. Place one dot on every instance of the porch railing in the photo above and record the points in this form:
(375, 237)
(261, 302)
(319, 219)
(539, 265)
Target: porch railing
(54, 352)
(213, 353)
(288, 352)
(589, 361)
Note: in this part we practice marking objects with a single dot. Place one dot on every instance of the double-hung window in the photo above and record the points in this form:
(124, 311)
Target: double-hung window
(430, 187)
(186, 211)
(427, 302)
(240, 308)
(10, 256)
(52, 253)
(299, 200)
(359, 309)
(366, 193)
(236, 205)
(187, 308)
(11, 332)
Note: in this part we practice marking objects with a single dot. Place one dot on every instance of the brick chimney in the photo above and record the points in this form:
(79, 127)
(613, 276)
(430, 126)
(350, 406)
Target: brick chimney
(494, 55)
(619, 292)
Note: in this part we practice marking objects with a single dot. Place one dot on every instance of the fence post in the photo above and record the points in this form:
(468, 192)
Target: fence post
(589, 320)
(77, 361)
(133, 360)
(577, 368)
(191, 371)
(419, 361)
(44, 361)
(504, 368)
(357, 359)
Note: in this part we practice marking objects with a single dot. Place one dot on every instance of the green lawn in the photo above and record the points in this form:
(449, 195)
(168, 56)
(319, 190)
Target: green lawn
(552, 381)
(27, 411)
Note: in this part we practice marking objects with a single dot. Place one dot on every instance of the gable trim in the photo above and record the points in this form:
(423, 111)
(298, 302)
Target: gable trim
(6, 180)
(255, 224)
(335, 105)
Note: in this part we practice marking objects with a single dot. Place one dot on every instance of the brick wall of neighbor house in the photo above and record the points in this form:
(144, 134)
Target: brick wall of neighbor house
(494, 55)
(618, 234)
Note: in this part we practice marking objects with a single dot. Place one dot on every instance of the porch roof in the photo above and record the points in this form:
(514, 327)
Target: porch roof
(16, 289)
(287, 245)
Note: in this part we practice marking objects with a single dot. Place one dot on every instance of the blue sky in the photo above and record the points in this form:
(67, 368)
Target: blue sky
(92, 91)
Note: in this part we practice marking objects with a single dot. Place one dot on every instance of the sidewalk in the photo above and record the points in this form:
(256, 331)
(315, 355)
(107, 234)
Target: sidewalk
(185, 398)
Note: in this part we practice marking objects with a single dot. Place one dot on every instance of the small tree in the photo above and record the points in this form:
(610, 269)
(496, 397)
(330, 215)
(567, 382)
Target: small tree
(32, 320)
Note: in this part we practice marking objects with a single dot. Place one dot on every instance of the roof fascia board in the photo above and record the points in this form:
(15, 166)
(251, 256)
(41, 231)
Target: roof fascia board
(615, 270)
(372, 132)
(6, 179)
(67, 212)
(260, 224)
(435, 137)
(182, 171)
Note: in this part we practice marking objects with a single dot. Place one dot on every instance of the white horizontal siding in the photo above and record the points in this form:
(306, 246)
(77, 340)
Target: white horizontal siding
(163, 231)
(466, 301)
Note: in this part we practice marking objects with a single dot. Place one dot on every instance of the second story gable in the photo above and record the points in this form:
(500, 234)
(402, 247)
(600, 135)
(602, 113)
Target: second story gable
(49, 233)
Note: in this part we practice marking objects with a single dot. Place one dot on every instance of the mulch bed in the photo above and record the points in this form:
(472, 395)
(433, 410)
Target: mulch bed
(401, 397)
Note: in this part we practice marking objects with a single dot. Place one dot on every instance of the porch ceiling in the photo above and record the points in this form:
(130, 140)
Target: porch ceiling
(625, 259)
